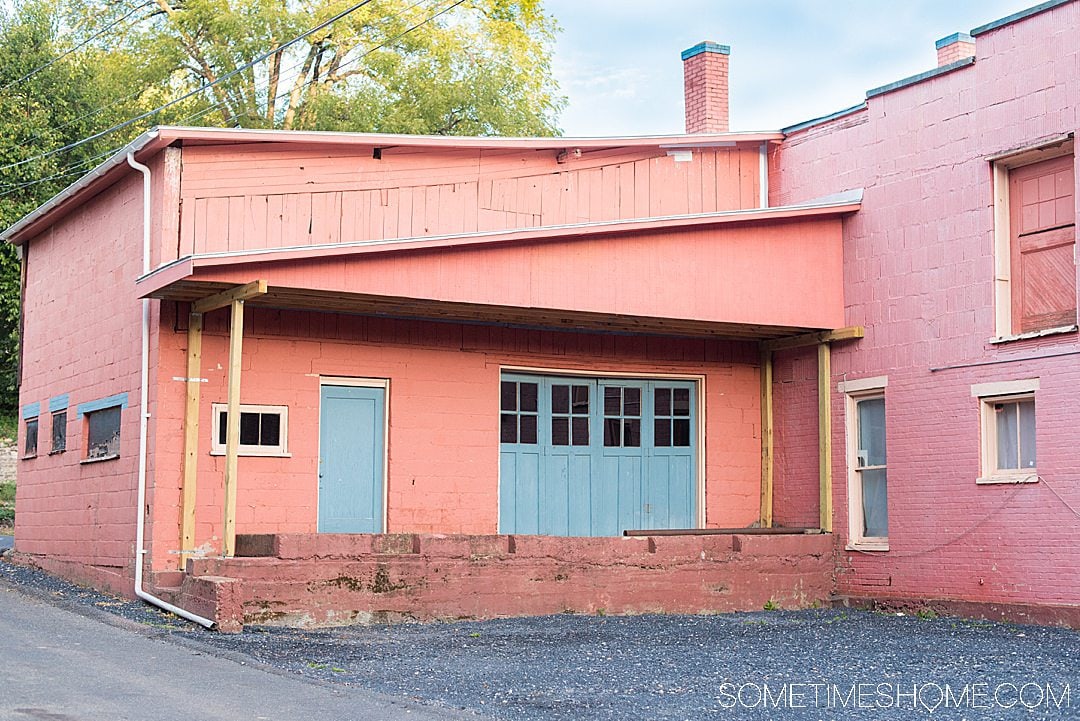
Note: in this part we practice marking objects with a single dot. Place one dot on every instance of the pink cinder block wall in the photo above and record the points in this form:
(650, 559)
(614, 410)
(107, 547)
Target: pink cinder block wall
(918, 275)
(443, 432)
(82, 335)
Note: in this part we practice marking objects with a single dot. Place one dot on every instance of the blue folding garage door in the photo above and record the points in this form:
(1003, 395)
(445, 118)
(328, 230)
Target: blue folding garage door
(594, 457)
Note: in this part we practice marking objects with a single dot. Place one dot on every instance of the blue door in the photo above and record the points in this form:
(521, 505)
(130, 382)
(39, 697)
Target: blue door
(351, 423)
(594, 457)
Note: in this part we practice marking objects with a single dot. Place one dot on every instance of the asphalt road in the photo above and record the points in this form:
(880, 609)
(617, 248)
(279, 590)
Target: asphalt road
(59, 665)
(813, 665)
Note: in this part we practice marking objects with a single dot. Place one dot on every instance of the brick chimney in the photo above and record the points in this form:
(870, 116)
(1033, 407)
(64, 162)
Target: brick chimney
(705, 83)
(955, 47)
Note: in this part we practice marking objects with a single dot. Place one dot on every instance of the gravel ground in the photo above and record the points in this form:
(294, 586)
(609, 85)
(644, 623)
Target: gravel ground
(653, 668)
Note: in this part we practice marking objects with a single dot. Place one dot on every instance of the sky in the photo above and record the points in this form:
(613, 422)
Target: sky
(617, 61)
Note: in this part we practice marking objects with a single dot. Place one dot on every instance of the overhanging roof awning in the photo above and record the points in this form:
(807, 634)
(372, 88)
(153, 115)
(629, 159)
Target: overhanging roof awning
(448, 311)
(751, 274)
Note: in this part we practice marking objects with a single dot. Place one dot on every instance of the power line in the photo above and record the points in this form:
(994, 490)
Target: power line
(370, 50)
(84, 43)
(286, 71)
(219, 104)
(185, 96)
(77, 169)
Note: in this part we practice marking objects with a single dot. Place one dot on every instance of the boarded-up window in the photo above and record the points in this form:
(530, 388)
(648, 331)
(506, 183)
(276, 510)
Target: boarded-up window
(59, 431)
(103, 433)
(30, 447)
(1042, 233)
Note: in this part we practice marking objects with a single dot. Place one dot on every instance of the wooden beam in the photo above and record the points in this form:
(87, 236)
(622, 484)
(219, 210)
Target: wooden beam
(766, 438)
(825, 436)
(808, 339)
(227, 297)
(232, 433)
(191, 438)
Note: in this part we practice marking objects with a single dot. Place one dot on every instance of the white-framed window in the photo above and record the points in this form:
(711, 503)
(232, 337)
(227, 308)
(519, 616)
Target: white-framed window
(1035, 240)
(1007, 432)
(868, 501)
(264, 430)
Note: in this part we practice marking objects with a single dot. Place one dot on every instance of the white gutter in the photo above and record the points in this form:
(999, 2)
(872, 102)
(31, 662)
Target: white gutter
(144, 416)
(79, 185)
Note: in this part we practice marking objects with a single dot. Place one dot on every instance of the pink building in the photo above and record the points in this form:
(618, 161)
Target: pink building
(394, 375)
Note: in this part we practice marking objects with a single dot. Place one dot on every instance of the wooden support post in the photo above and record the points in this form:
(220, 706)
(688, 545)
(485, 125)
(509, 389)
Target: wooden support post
(232, 434)
(825, 436)
(191, 438)
(766, 438)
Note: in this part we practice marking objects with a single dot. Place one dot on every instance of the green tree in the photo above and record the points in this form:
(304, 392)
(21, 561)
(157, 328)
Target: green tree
(466, 67)
(43, 101)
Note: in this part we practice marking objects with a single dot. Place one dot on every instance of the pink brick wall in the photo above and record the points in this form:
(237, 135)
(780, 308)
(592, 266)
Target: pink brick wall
(795, 439)
(82, 325)
(443, 441)
(918, 276)
(333, 580)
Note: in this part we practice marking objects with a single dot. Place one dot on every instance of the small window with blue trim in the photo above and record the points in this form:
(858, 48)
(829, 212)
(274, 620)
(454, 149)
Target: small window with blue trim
(103, 434)
(102, 427)
(30, 413)
(58, 407)
(30, 443)
(59, 432)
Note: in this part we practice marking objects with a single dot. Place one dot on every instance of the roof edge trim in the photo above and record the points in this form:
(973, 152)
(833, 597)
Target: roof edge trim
(12, 233)
(1017, 16)
(914, 79)
(823, 119)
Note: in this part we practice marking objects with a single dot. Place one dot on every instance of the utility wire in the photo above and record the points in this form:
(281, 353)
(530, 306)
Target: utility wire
(297, 65)
(77, 169)
(381, 45)
(84, 43)
(201, 88)
(204, 111)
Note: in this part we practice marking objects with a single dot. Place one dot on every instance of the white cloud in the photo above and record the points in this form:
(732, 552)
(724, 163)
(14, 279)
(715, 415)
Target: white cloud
(792, 60)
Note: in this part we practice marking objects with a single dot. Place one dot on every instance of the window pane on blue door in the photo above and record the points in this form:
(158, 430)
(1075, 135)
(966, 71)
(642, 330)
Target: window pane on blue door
(588, 457)
(519, 426)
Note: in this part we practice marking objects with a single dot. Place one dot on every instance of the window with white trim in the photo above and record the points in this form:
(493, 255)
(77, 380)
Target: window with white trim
(264, 430)
(1008, 437)
(868, 500)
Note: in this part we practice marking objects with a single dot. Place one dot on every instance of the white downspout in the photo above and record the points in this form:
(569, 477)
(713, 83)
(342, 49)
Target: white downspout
(763, 180)
(144, 416)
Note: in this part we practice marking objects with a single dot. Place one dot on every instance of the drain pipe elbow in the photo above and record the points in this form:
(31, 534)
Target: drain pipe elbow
(144, 417)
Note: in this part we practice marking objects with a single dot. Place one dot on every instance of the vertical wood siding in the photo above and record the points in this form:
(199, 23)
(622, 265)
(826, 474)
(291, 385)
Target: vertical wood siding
(236, 198)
